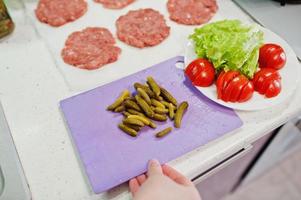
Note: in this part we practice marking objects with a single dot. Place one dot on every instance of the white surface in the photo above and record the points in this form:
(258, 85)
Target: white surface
(30, 88)
(290, 75)
(12, 180)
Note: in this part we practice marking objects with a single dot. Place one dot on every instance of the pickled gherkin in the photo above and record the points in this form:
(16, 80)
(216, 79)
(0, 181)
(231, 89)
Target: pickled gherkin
(132, 104)
(145, 107)
(168, 97)
(163, 132)
(157, 103)
(145, 88)
(128, 130)
(152, 125)
(135, 127)
(119, 108)
(126, 114)
(153, 85)
(144, 120)
(161, 110)
(179, 114)
(133, 122)
(144, 95)
(159, 117)
(171, 110)
(125, 94)
(135, 112)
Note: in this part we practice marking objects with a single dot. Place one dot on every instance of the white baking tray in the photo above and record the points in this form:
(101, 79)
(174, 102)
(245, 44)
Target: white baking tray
(131, 59)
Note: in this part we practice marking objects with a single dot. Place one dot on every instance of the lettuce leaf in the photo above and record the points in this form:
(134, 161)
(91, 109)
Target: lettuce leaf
(229, 45)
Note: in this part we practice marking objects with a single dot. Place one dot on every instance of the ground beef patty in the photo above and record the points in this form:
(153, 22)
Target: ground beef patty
(191, 12)
(142, 28)
(114, 4)
(90, 48)
(59, 12)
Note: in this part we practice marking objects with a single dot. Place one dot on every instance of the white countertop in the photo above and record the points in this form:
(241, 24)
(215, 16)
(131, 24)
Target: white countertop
(30, 89)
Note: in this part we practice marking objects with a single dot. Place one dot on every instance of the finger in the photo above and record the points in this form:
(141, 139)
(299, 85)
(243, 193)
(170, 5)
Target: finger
(176, 176)
(134, 186)
(154, 168)
(141, 179)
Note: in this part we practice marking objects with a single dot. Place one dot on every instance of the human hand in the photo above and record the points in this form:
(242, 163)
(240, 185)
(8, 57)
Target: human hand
(162, 183)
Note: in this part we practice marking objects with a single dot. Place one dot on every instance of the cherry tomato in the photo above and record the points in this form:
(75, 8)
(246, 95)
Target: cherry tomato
(201, 72)
(231, 86)
(267, 82)
(272, 56)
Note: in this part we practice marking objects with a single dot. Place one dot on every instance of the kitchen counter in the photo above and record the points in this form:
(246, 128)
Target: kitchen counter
(31, 87)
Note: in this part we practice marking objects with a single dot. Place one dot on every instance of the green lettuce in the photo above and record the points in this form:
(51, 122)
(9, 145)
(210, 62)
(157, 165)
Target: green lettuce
(229, 45)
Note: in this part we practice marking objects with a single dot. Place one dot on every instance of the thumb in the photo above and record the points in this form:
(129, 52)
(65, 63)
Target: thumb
(154, 168)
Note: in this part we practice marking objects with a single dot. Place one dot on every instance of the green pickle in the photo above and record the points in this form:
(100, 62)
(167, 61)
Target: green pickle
(135, 127)
(125, 94)
(179, 114)
(161, 110)
(133, 121)
(6, 23)
(157, 103)
(132, 105)
(163, 132)
(152, 125)
(126, 114)
(167, 96)
(159, 117)
(171, 110)
(119, 109)
(153, 85)
(144, 95)
(135, 112)
(144, 120)
(128, 130)
(145, 107)
(145, 88)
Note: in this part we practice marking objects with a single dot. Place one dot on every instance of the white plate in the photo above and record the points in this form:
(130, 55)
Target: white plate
(290, 74)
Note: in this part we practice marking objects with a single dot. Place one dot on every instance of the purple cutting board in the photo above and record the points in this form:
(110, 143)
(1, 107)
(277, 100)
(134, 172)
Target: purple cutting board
(111, 157)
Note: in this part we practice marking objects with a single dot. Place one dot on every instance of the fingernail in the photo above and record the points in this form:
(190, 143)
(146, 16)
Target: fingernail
(154, 162)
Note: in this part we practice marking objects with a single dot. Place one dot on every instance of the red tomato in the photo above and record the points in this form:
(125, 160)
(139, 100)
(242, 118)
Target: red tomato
(267, 82)
(231, 86)
(229, 76)
(274, 89)
(262, 72)
(201, 72)
(247, 92)
(236, 91)
(272, 56)
(219, 84)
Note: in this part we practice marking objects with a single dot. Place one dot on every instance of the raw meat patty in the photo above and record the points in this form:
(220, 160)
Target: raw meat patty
(142, 28)
(191, 12)
(90, 48)
(115, 4)
(59, 12)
